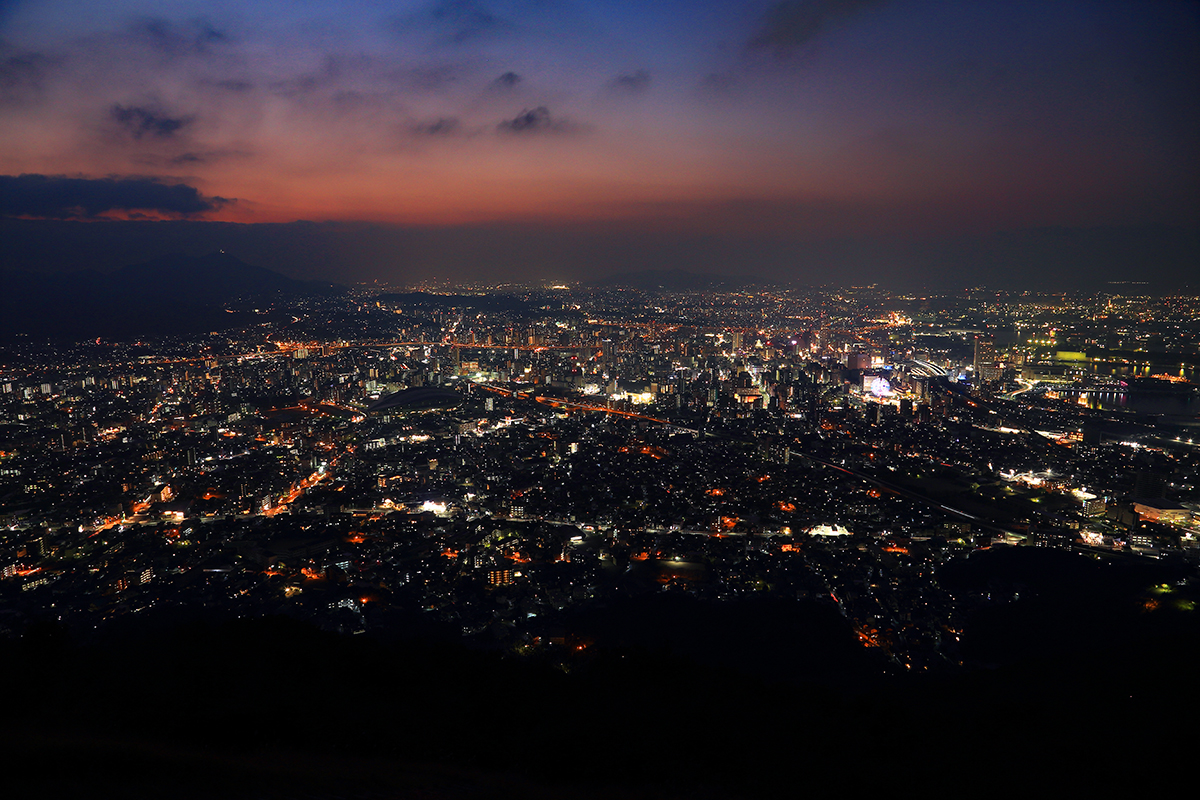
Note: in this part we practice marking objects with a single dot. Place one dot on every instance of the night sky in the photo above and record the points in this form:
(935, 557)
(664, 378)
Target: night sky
(910, 142)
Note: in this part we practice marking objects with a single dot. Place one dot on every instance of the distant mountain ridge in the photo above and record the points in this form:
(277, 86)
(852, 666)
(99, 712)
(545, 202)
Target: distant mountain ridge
(216, 278)
(169, 295)
(676, 280)
(485, 302)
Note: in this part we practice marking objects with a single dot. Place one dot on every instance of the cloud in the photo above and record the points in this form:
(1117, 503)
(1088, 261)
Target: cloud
(535, 121)
(141, 121)
(234, 85)
(455, 21)
(442, 126)
(635, 83)
(205, 157)
(195, 37)
(430, 78)
(791, 24)
(22, 74)
(62, 197)
(508, 80)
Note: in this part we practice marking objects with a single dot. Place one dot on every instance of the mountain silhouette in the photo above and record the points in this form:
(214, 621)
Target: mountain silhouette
(170, 295)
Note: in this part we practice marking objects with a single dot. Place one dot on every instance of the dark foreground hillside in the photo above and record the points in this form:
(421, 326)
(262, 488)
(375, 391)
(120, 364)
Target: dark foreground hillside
(216, 706)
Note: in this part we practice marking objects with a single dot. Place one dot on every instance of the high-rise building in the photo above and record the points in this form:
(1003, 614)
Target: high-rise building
(858, 361)
(1149, 485)
(987, 365)
(985, 350)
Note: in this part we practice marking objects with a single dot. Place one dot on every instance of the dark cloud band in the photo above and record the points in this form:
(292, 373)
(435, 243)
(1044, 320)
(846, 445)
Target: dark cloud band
(60, 197)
